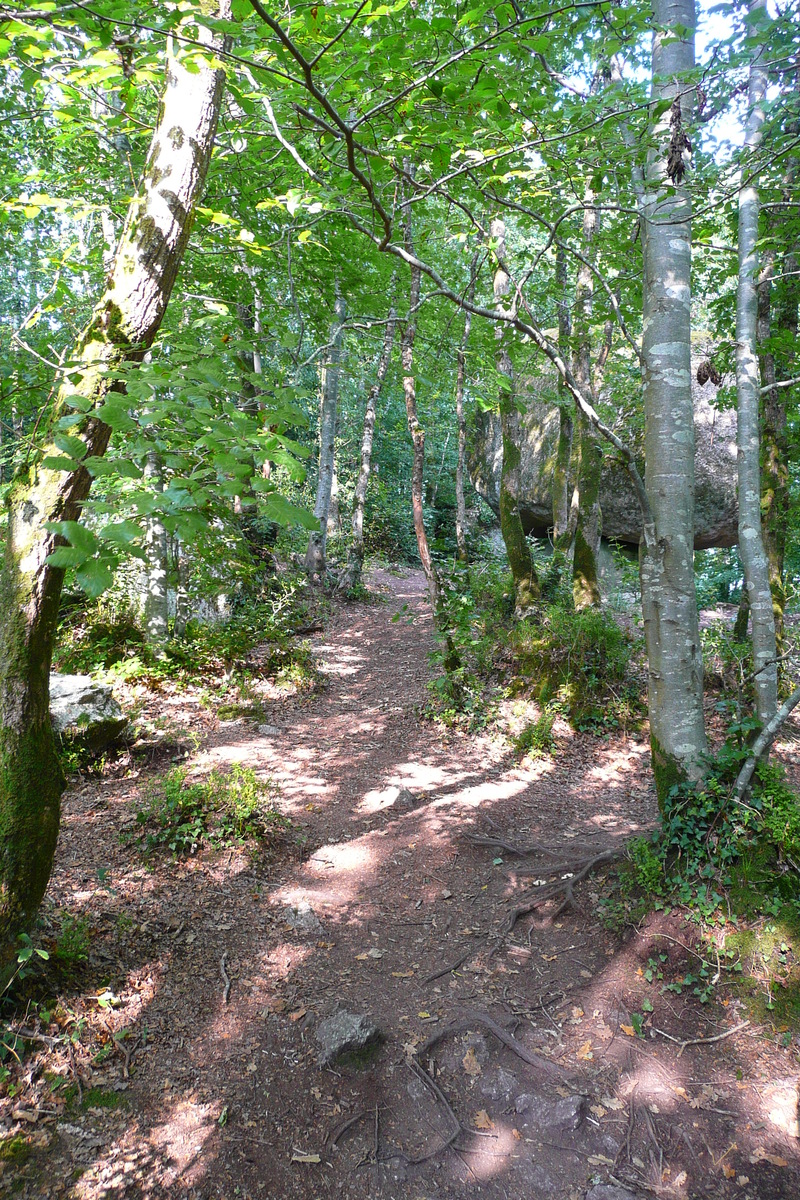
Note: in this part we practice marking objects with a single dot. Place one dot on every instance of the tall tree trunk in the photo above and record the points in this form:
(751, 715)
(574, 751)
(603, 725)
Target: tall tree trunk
(748, 385)
(520, 560)
(316, 563)
(156, 606)
(669, 604)
(585, 586)
(414, 427)
(774, 451)
(562, 531)
(351, 576)
(461, 371)
(124, 324)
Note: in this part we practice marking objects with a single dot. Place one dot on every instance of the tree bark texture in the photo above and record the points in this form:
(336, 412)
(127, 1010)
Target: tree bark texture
(562, 529)
(669, 607)
(155, 607)
(355, 558)
(123, 325)
(414, 427)
(461, 372)
(520, 560)
(748, 388)
(585, 585)
(316, 554)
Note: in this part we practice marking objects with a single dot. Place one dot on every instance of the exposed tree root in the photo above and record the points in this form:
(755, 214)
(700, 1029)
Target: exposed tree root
(471, 1019)
(571, 873)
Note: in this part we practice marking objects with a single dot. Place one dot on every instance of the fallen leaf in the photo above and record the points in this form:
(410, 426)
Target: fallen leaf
(402, 974)
(25, 1114)
(761, 1155)
(306, 1158)
(585, 1052)
(612, 1103)
(482, 1120)
(743, 1180)
(446, 893)
(252, 1068)
(598, 1160)
(629, 1030)
(470, 1062)
(680, 1179)
(577, 1013)
(598, 1110)
(517, 1136)
(297, 1014)
(727, 1171)
(424, 1015)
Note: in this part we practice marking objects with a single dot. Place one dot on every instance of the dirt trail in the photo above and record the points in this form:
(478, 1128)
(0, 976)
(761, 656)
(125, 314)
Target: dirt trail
(228, 1098)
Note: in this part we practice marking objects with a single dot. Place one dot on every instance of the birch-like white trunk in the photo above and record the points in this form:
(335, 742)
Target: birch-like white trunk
(355, 558)
(748, 387)
(669, 605)
(124, 323)
(155, 608)
(316, 554)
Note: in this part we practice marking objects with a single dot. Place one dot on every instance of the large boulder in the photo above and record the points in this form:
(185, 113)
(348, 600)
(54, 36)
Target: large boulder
(84, 712)
(716, 509)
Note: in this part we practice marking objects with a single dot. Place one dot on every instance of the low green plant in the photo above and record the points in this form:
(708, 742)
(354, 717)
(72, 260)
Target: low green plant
(180, 815)
(536, 740)
(72, 942)
(647, 866)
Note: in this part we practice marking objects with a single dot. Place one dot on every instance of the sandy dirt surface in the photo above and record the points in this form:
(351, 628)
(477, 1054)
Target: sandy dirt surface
(509, 1063)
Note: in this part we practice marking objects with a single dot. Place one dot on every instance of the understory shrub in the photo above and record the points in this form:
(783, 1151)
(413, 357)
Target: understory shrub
(180, 814)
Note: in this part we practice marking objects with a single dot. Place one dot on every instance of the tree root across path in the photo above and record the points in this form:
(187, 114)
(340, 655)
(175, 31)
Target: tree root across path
(469, 1021)
(566, 874)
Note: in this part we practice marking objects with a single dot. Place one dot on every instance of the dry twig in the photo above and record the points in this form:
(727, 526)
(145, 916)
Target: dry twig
(718, 1037)
(225, 978)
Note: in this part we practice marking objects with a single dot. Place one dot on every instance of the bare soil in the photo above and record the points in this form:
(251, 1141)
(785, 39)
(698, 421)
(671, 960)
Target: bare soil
(510, 1065)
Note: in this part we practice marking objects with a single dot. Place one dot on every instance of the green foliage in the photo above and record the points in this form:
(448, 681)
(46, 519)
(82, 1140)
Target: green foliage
(578, 661)
(536, 739)
(647, 866)
(180, 815)
(72, 942)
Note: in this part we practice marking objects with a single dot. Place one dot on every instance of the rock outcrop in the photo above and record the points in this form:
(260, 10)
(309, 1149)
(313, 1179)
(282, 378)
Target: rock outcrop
(716, 510)
(85, 712)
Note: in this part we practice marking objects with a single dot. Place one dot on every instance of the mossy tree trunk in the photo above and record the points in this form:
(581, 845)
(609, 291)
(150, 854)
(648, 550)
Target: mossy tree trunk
(351, 576)
(316, 553)
(123, 325)
(748, 388)
(669, 602)
(520, 560)
(461, 373)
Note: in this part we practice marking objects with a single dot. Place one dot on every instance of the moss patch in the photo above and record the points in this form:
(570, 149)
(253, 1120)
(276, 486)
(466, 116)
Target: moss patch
(100, 1098)
(15, 1150)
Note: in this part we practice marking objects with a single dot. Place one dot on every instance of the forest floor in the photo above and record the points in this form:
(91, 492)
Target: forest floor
(535, 1061)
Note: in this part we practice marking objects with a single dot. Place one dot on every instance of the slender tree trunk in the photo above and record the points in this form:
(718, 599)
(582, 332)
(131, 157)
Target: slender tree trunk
(415, 428)
(355, 558)
(585, 586)
(669, 604)
(155, 608)
(520, 560)
(316, 563)
(562, 531)
(124, 324)
(461, 370)
(774, 452)
(748, 386)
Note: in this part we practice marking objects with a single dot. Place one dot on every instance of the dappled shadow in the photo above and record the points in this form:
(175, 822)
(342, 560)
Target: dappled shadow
(369, 913)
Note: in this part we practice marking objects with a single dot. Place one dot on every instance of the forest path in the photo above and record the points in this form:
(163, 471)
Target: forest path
(227, 1096)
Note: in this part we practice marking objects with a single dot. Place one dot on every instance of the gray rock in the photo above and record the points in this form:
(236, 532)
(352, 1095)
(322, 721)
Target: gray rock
(344, 1033)
(84, 712)
(302, 918)
(406, 801)
(268, 730)
(563, 1116)
(610, 1191)
(499, 1085)
(716, 510)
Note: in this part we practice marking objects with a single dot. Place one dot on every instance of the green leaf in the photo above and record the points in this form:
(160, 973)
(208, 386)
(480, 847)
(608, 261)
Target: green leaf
(66, 556)
(76, 534)
(95, 578)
